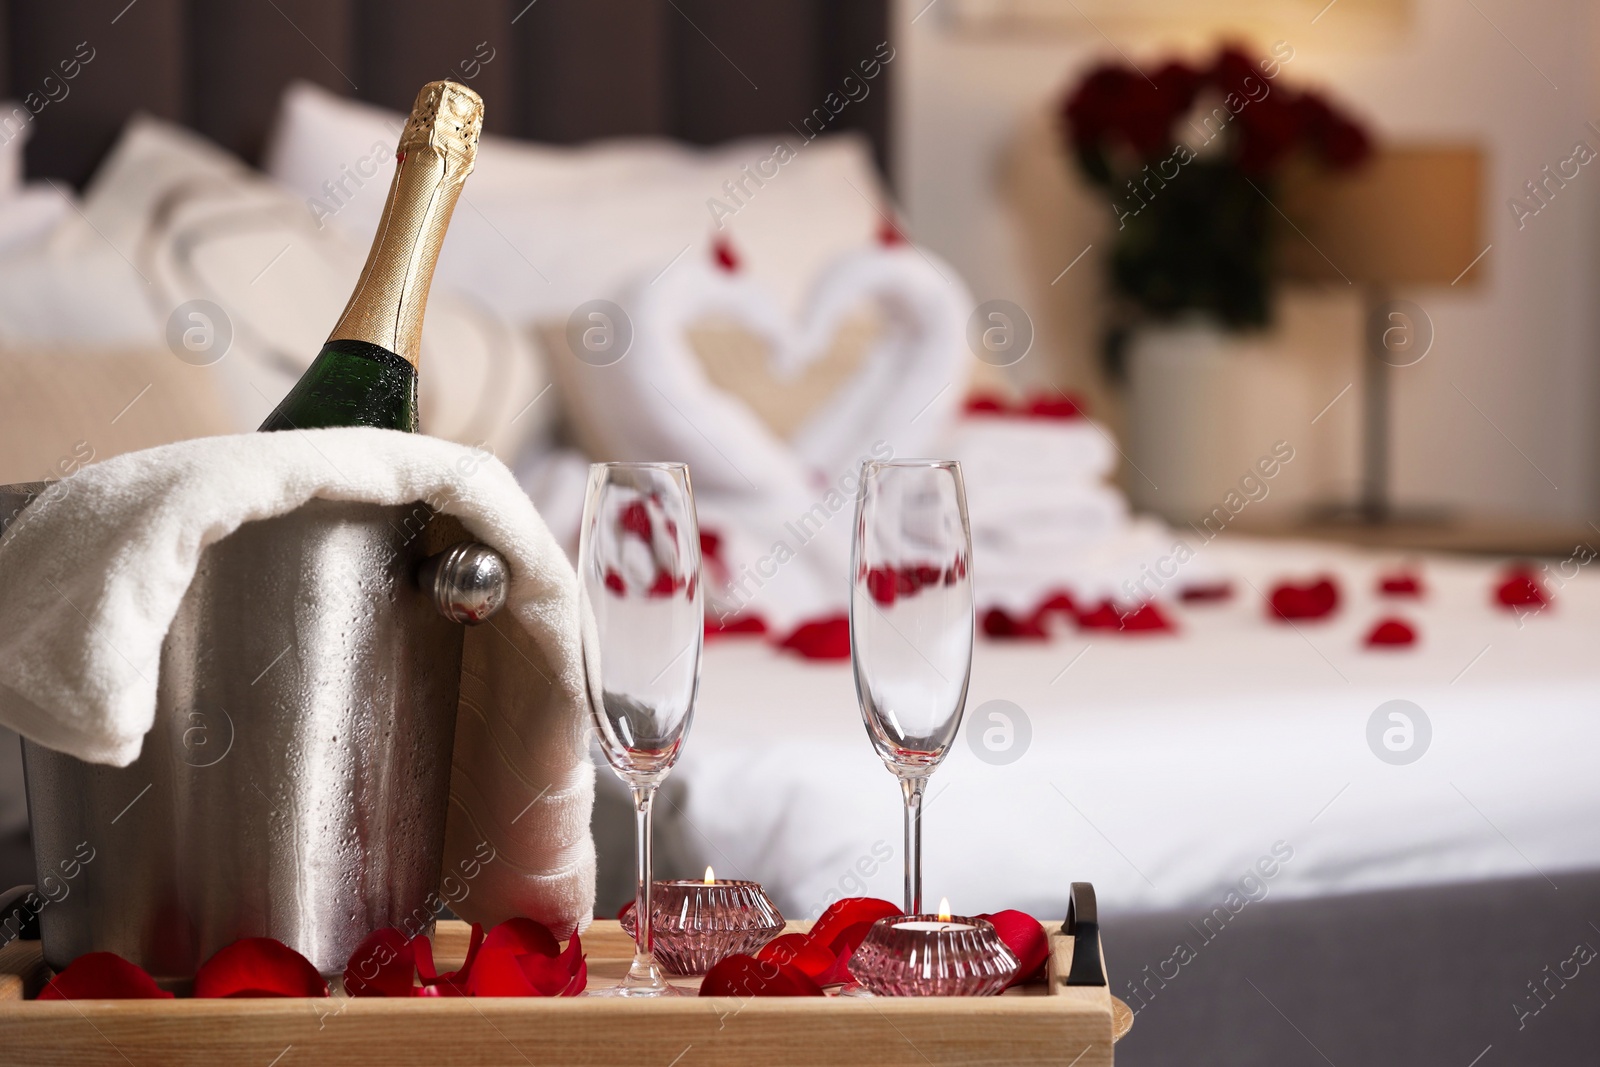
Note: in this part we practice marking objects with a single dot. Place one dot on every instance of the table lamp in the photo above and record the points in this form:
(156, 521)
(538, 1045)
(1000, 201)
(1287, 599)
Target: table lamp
(1411, 217)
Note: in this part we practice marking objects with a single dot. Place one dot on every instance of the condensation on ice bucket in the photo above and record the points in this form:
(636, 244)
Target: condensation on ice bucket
(294, 784)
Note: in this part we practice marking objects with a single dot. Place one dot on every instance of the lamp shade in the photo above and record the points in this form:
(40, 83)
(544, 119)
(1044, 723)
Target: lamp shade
(1411, 216)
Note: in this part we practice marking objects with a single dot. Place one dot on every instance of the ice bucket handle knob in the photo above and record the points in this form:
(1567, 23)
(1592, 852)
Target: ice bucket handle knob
(467, 581)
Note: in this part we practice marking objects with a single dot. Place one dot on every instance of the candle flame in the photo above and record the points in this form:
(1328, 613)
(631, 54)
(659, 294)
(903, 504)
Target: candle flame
(711, 876)
(944, 909)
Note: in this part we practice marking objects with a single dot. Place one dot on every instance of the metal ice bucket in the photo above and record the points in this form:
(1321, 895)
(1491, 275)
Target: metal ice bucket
(294, 784)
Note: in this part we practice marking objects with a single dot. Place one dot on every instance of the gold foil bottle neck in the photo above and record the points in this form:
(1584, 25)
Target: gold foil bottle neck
(447, 117)
(437, 149)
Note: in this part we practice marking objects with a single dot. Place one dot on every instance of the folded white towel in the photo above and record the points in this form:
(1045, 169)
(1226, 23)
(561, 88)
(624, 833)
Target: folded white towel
(92, 574)
(1012, 449)
(1044, 513)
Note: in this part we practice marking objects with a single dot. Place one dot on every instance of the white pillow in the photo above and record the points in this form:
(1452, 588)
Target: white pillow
(170, 218)
(543, 229)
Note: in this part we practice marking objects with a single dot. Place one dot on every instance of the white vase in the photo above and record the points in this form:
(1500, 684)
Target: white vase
(1206, 407)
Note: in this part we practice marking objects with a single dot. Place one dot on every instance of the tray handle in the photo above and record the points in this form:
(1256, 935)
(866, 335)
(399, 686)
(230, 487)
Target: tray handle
(1083, 926)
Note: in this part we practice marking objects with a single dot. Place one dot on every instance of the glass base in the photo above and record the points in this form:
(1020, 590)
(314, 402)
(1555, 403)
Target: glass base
(644, 979)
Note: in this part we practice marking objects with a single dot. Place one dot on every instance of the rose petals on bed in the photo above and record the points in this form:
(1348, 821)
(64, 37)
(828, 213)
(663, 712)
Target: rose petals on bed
(1026, 939)
(1142, 618)
(103, 976)
(1051, 405)
(1521, 588)
(258, 967)
(827, 638)
(1392, 633)
(1057, 406)
(1314, 600)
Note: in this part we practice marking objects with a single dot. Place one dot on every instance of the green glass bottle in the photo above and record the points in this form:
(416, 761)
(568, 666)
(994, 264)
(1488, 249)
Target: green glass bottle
(366, 373)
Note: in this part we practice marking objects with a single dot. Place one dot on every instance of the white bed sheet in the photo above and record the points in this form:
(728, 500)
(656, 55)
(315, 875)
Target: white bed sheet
(1163, 769)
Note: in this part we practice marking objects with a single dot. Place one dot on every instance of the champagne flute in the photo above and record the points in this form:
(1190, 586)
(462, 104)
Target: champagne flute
(911, 625)
(642, 626)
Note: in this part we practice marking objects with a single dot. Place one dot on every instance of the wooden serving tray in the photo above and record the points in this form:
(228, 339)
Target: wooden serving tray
(1053, 1023)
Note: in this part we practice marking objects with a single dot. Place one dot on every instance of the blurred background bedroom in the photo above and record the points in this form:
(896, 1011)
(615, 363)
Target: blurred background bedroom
(1266, 330)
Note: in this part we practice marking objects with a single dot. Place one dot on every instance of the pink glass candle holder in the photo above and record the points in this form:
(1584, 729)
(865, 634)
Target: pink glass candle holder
(933, 956)
(698, 924)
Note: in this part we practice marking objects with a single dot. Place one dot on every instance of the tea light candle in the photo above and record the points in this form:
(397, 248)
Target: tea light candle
(933, 955)
(943, 923)
(699, 923)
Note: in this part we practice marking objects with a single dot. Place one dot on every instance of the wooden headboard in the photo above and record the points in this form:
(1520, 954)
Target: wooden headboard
(556, 70)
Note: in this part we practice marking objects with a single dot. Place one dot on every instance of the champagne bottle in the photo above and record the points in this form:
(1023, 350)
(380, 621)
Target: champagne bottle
(366, 373)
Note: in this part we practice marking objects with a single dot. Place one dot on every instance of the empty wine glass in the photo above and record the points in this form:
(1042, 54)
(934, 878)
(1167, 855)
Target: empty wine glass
(911, 625)
(642, 625)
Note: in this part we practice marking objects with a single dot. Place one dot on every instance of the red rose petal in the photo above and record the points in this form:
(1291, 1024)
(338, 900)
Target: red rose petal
(889, 235)
(1147, 618)
(986, 404)
(1000, 624)
(1206, 593)
(882, 585)
(1392, 633)
(846, 941)
(383, 965)
(724, 255)
(522, 936)
(801, 951)
(736, 626)
(103, 976)
(1103, 616)
(746, 976)
(636, 520)
(1312, 601)
(1399, 583)
(422, 954)
(821, 638)
(498, 973)
(1521, 588)
(1056, 406)
(522, 958)
(843, 914)
(1027, 941)
(838, 972)
(553, 976)
(258, 967)
(1058, 603)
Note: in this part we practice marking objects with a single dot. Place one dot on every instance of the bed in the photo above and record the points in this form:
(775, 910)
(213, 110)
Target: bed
(1219, 789)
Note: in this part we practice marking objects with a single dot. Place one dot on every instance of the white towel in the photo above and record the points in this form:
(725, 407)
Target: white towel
(92, 573)
(1012, 449)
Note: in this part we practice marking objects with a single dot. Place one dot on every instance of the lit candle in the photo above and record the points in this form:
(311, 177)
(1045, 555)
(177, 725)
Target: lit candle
(941, 923)
(698, 923)
(933, 955)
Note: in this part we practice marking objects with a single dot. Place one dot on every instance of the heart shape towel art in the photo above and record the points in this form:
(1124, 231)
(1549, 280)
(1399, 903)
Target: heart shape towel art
(779, 510)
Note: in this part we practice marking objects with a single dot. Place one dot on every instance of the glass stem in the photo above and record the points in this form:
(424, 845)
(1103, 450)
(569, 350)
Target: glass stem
(644, 928)
(912, 789)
